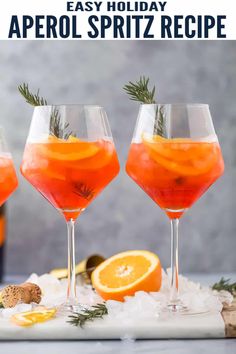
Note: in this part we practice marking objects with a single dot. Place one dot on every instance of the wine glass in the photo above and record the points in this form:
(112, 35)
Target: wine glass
(69, 158)
(174, 157)
(8, 178)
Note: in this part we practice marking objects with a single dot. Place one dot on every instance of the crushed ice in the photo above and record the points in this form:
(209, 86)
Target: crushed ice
(140, 306)
(7, 313)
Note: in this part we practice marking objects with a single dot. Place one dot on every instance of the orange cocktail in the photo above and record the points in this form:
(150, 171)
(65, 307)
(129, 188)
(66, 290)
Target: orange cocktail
(174, 172)
(8, 179)
(70, 173)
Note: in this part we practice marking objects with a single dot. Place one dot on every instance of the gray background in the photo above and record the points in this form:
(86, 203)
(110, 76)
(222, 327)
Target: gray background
(122, 217)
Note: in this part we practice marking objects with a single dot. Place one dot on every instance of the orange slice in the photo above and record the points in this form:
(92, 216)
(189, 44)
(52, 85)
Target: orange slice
(73, 139)
(127, 272)
(54, 139)
(102, 158)
(29, 318)
(181, 156)
(69, 151)
(178, 149)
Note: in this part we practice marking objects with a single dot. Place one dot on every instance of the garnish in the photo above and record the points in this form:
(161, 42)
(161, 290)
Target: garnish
(224, 284)
(159, 122)
(120, 276)
(79, 319)
(138, 91)
(1, 305)
(29, 318)
(57, 128)
(32, 98)
(83, 190)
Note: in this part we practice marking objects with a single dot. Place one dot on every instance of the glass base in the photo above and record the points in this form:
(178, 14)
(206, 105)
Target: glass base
(180, 309)
(177, 307)
(70, 308)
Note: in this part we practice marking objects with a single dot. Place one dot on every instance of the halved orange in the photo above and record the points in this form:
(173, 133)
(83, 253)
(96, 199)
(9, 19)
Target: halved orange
(126, 273)
(29, 318)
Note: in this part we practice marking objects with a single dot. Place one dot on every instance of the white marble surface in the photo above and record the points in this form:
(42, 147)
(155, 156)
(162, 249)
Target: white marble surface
(218, 346)
(210, 325)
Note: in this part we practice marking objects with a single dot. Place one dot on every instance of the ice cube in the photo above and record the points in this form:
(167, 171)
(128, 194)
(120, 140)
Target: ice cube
(87, 295)
(8, 312)
(114, 307)
(225, 297)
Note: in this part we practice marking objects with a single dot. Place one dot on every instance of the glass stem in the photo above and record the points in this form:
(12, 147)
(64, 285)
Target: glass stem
(71, 290)
(174, 262)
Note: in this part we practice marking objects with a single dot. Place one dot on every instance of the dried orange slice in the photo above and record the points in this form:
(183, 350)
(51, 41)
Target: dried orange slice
(29, 318)
(127, 272)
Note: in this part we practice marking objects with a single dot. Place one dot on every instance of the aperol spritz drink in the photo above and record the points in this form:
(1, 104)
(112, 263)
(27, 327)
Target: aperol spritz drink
(174, 157)
(69, 158)
(69, 173)
(8, 178)
(174, 172)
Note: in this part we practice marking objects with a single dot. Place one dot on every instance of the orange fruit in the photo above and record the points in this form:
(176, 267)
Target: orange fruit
(125, 273)
(29, 318)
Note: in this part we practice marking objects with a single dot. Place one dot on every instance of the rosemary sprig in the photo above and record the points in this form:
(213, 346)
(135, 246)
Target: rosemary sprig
(224, 284)
(79, 319)
(139, 91)
(32, 98)
(57, 128)
(1, 305)
(83, 190)
(159, 122)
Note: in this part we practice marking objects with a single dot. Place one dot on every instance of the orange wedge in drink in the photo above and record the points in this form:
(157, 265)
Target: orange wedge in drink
(177, 149)
(181, 156)
(126, 273)
(29, 318)
(68, 150)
